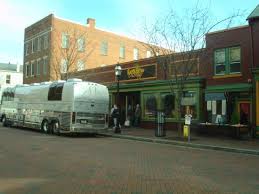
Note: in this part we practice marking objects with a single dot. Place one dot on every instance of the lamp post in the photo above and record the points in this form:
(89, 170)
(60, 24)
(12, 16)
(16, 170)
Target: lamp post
(118, 75)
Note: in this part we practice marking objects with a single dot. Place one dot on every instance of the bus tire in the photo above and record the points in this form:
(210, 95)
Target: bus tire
(55, 127)
(45, 126)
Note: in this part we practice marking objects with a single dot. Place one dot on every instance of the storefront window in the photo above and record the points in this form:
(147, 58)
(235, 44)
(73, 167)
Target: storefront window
(150, 105)
(168, 104)
(188, 104)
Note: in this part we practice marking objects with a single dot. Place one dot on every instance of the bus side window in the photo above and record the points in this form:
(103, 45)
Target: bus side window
(55, 91)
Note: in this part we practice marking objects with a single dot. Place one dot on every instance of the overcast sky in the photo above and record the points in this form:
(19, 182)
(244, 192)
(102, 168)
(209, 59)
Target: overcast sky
(120, 16)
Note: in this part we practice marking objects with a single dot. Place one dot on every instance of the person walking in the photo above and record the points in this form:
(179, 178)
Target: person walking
(115, 114)
(137, 114)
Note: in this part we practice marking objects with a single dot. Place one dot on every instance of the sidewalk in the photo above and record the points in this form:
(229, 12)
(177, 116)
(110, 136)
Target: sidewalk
(243, 145)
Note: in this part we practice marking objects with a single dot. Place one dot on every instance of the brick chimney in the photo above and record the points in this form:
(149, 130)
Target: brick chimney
(91, 22)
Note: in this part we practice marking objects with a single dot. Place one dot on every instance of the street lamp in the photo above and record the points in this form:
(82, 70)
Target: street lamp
(118, 75)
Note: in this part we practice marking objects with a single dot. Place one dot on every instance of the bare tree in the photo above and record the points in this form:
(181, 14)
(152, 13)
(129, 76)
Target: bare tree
(178, 42)
(69, 52)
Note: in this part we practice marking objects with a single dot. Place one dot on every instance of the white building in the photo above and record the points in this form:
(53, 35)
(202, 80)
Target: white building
(10, 74)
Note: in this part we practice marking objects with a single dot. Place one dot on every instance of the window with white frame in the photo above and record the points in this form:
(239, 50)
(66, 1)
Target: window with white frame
(80, 65)
(65, 40)
(122, 51)
(39, 43)
(227, 60)
(33, 46)
(27, 48)
(220, 67)
(81, 44)
(38, 66)
(8, 79)
(63, 66)
(148, 54)
(104, 48)
(135, 54)
(45, 65)
(46, 41)
(27, 66)
(32, 68)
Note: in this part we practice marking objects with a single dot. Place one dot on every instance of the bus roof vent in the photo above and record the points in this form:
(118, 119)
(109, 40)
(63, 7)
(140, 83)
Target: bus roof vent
(74, 80)
(44, 83)
(59, 81)
(35, 84)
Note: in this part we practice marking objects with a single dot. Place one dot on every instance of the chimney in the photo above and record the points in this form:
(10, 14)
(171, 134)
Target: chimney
(91, 22)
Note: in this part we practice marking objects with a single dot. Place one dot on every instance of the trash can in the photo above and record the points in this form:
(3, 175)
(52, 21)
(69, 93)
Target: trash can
(160, 121)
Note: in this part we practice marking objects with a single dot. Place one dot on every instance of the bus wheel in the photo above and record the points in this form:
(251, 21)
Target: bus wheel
(55, 127)
(45, 126)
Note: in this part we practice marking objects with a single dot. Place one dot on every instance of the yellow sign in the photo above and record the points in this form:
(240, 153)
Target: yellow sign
(135, 72)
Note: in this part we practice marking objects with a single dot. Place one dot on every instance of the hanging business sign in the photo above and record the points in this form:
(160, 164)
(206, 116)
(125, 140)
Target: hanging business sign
(139, 72)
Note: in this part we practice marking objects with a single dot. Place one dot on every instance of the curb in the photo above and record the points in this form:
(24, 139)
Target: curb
(184, 144)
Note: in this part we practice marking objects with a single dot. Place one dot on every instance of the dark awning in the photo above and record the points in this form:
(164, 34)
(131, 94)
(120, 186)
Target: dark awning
(214, 96)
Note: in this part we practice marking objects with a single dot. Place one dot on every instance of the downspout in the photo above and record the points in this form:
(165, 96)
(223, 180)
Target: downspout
(253, 82)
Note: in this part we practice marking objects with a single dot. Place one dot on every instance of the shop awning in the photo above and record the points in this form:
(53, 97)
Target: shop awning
(243, 87)
(214, 96)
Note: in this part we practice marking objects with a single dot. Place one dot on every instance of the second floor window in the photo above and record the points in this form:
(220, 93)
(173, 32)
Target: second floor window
(38, 67)
(227, 61)
(8, 79)
(80, 65)
(27, 45)
(81, 44)
(135, 54)
(46, 41)
(45, 65)
(148, 54)
(104, 48)
(39, 43)
(65, 40)
(122, 51)
(32, 68)
(63, 66)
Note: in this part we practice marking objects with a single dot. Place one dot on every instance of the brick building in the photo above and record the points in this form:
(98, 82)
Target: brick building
(53, 46)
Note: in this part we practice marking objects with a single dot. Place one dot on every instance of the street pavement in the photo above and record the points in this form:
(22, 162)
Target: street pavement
(36, 163)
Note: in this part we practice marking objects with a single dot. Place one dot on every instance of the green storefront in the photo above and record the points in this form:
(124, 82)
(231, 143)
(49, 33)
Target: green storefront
(229, 103)
(160, 95)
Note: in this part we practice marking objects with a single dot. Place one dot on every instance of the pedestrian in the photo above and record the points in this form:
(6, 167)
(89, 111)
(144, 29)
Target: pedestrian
(137, 114)
(128, 120)
(115, 114)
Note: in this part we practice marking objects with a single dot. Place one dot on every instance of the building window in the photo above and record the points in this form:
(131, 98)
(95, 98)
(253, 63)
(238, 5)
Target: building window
(28, 69)
(148, 54)
(8, 79)
(81, 44)
(188, 104)
(104, 48)
(45, 65)
(27, 48)
(234, 60)
(135, 54)
(46, 41)
(220, 60)
(65, 40)
(80, 65)
(227, 61)
(32, 68)
(33, 45)
(63, 66)
(38, 66)
(168, 104)
(39, 43)
(150, 105)
(122, 51)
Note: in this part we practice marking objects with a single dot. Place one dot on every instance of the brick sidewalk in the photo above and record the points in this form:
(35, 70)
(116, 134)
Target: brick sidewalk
(220, 141)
